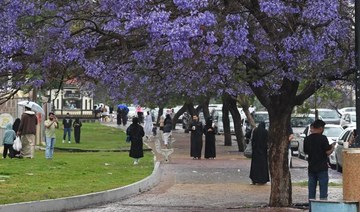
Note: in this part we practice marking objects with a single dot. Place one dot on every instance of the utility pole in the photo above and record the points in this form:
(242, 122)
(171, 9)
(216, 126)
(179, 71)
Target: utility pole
(357, 74)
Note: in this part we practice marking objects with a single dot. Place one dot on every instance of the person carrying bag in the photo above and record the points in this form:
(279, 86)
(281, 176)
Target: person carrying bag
(248, 149)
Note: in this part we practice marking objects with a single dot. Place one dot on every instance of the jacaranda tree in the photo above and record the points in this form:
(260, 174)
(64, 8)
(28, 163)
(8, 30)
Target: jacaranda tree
(193, 47)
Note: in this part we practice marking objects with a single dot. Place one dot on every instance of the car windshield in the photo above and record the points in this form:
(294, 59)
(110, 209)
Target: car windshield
(301, 121)
(260, 117)
(350, 110)
(332, 131)
(330, 114)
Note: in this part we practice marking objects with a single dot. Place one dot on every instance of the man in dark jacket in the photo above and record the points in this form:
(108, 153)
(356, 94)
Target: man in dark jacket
(67, 124)
(27, 131)
(316, 145)
(167, 131)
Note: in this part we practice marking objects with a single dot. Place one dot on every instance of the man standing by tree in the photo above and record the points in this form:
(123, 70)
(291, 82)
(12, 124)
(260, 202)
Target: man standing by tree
(317, 147)
(27, 131)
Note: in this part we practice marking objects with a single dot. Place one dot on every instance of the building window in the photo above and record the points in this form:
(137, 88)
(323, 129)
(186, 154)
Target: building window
(71, 99)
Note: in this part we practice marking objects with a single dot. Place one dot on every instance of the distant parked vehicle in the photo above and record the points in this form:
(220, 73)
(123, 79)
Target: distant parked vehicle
(261, 116)
(348, 119)
(329, 116)
(298, 124)
(218, 122)
(347, 109)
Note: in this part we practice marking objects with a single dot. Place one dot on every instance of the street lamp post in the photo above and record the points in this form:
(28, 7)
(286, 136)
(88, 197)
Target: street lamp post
(357, 74)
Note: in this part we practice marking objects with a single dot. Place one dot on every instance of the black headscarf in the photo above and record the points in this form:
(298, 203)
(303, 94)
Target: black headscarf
(135, 120)
(262, 125)
(134, 128)
(16, 124)
(260, 135)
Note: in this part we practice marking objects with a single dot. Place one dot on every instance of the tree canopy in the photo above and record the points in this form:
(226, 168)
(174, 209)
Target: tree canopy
(146, 50)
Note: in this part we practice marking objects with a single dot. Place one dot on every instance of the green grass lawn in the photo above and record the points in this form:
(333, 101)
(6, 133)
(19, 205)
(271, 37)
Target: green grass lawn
(94, 136)
(73, 173)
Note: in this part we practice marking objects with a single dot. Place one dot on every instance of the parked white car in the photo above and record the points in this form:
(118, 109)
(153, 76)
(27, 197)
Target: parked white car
(347, 109)
(345, 136)
(348, 119)
(331, 131)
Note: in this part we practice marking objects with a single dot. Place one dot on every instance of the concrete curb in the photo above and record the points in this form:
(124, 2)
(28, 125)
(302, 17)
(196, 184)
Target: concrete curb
(82, 201)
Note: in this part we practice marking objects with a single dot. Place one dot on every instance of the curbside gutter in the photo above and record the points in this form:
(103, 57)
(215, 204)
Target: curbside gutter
(86, 200)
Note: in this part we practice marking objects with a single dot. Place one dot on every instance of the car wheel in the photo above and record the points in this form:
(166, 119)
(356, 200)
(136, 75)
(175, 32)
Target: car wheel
(338, 167)
(333, 166)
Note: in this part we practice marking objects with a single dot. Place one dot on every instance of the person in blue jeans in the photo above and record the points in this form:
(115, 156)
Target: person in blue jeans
(67, 124)
(317, 146)
(50, 125)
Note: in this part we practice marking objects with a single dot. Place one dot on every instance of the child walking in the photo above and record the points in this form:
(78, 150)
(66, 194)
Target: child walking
(8, 141)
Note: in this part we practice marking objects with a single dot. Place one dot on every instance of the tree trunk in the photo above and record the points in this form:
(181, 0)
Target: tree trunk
(281, 189)
(226, 123)
(190, 108)
(177, 115)
(161, 111)
(280, 106)
(205, 108)
(237, 122)
(243, 100)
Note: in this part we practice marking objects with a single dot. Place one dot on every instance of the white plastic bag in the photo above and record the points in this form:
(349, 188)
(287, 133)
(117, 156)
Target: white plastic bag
(248, 150)
(17, 144)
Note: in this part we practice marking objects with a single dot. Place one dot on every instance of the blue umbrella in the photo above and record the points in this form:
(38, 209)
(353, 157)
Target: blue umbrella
(122, 106)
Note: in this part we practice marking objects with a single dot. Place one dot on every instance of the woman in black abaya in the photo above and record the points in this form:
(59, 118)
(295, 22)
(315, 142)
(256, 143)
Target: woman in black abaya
(77, 130)
(196, 141)
(259, 171)
(136, 133)
(209, 131)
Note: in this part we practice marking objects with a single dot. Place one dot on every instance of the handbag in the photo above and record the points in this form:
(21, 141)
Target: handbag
(17, 144)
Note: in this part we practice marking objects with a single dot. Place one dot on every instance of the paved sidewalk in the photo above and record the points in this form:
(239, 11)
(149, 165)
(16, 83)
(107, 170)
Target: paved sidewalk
(221, 184)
